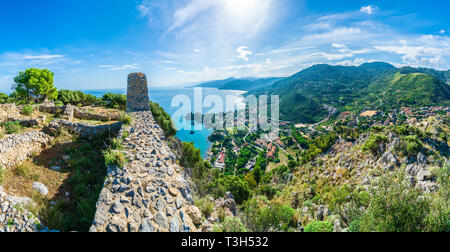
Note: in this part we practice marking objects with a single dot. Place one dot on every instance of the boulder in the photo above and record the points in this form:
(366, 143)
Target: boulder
(41, 188)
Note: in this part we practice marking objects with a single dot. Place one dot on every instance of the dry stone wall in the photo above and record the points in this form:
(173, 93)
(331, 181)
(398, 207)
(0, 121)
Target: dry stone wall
(83, 129)
(150, 193)
(17, 148)
(13, 214)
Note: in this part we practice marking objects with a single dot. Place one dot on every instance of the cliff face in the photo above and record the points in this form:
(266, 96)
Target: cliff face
(150, 193)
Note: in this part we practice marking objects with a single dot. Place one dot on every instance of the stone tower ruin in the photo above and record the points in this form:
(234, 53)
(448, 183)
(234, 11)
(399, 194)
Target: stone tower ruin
(137, 93)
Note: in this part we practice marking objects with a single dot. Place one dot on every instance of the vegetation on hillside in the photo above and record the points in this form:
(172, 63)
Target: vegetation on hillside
(163, 119)
(374, 85)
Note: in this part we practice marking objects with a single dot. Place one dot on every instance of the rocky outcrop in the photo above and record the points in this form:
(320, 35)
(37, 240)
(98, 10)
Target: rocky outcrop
(83, 129)
(15, 149)
(8, 111)
(150, 193)
(345, 158)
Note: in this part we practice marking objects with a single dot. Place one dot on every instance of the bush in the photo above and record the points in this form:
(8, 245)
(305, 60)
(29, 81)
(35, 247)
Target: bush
(59, 103)
(206, 206)
(76, 98)
(237, 186)
(114, 158)
(373, 142)
(3, 98)
(413, 145)
(250, 180)
(163, 119)
(125, 118)
(395, 207)
(319, 227)
(230, 225)
(27, 110)
(118, 101)
(277, 217)
(13, 127)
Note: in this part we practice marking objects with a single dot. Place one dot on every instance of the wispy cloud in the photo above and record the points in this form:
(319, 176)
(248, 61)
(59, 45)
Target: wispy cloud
(243, 53)
(43, 57)
(118, 67)
(368, 9)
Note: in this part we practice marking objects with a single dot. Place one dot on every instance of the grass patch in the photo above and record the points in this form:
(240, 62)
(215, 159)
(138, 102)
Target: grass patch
(114, 158)
(27, 110)
(125, 118)
(27, 171)
(13, 127)
(2, 174)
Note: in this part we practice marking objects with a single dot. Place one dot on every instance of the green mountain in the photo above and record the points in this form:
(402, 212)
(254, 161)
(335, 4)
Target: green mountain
(375, 85)
(240, 84)
(416, 89)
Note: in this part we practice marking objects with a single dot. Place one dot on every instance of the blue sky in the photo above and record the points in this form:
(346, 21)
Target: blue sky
(95, 44)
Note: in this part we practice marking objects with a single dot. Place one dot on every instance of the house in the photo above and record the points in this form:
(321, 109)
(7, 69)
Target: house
(220, 162)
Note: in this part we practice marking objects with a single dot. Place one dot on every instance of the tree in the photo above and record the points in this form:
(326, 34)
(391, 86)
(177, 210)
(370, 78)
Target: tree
(3, 98)
(35, 84)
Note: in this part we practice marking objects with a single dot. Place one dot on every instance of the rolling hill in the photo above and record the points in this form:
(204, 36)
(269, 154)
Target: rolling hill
(372, 85)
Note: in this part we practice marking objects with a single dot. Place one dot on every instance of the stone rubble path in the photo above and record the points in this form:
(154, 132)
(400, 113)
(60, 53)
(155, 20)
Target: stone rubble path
(150, 194)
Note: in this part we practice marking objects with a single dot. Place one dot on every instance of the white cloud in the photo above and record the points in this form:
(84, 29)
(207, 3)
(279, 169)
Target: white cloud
(442, 31)
(368, 9)
(144, 10)
(339, 45)
(426, 51)
(187, 13)
(42, 57)
(118, 67)
(243, 53)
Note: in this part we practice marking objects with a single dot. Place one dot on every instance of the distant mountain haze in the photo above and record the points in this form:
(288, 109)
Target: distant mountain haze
(246, 84)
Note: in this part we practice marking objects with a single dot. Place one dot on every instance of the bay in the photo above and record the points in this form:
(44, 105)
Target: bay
(164, 97)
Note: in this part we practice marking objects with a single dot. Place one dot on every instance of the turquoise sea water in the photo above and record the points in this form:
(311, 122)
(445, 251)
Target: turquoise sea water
(164, 96)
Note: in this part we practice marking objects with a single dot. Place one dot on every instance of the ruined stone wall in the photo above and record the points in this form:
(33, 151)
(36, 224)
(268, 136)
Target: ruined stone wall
(137, 94)
(84, 129)
(150, 193)
(17, 148)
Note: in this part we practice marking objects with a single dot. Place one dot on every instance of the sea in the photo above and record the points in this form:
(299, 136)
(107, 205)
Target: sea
(165, 96)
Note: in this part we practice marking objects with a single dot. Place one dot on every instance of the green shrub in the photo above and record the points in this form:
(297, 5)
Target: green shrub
(413, 144)
(373, 142)
(59, 103)
(230, 225)
(319, 227)
(237, 186)
(114, 158)
(118, 101)
(354, 226)
(206, 206)
(125, 118)
(13, 127)
(163, 119)
(27, 110)
(395, 207)
(116, 144)
(2, 174)
(277, 217)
